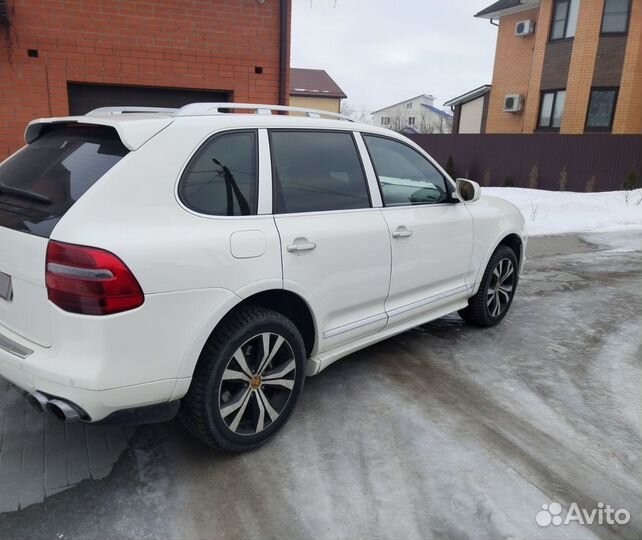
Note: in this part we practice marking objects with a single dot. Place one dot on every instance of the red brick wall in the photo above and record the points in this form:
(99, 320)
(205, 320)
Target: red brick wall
(197, 44)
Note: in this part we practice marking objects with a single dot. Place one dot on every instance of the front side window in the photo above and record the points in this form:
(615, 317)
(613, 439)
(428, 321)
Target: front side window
(405, 176)
(601, 109)
(315, 171)
(564, 23)
(616, 16)
(221, 179)
(552, 109)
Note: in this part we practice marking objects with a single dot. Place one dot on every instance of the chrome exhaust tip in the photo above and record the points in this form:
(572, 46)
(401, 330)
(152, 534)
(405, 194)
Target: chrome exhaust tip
(63, 411)
(38, 401)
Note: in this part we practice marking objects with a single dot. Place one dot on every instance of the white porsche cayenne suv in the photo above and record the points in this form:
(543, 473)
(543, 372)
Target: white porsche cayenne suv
(203, 261)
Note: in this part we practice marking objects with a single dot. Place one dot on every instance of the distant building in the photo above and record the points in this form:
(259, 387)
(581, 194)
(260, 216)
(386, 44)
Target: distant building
(315, 89)
(470, 110)
(566, 66)
(415, 115)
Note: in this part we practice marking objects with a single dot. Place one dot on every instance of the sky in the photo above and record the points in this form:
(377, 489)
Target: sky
(381, 52)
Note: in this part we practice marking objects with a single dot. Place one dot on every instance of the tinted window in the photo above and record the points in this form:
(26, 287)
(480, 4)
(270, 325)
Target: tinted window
(44, 179)
(316, 171)
(405, 176)
(221, 179)
(601, 109)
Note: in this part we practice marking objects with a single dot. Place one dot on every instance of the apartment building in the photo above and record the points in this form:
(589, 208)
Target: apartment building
(567, 66)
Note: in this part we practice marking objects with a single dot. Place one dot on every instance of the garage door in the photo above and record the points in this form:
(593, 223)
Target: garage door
(86, 97)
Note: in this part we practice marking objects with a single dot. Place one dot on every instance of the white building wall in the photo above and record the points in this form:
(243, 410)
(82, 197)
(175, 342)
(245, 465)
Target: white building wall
(398, 116)
(472, 113)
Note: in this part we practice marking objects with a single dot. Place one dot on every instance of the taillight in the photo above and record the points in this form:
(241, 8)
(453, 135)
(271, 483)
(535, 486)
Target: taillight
(89, 280)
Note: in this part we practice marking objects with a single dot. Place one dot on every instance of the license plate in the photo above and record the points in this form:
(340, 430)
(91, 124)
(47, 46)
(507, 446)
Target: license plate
(6, 290)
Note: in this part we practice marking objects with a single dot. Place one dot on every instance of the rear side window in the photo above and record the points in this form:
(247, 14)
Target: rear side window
(42, 181)
(316, 171)
(221, 178)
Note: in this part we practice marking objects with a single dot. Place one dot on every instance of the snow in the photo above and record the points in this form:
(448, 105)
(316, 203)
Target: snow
(563, 212)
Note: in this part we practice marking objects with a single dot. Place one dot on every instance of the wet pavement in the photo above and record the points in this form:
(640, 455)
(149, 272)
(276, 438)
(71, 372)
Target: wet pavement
(446, 431)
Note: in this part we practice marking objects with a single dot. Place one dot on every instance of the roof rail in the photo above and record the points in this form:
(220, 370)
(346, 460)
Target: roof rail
(130, 110)
(205, 109)
(201, 109)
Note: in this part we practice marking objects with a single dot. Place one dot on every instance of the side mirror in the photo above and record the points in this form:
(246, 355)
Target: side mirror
(467, 190)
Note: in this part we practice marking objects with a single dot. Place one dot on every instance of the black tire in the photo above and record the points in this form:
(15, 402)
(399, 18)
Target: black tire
(211, 395)
(482, 309)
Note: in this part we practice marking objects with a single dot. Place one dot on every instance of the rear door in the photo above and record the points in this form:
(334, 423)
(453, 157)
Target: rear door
(431, 235)
(335, 246)
(38, 185)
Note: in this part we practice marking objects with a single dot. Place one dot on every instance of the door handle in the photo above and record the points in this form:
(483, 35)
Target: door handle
(401, 232)
(301, 245)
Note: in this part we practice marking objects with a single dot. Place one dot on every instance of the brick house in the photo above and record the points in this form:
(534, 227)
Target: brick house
(567, 66)
(69, 57)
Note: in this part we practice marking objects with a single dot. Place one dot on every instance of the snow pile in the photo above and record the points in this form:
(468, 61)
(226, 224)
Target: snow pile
(562, 212)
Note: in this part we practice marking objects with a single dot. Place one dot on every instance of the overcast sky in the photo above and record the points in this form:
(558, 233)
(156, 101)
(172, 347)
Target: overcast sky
(384, 51)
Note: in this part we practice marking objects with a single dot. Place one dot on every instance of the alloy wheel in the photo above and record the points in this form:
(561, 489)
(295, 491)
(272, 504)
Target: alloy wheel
(501, 287)
(257, 383)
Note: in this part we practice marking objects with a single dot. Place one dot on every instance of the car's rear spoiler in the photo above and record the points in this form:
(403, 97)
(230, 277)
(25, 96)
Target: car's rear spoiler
(134, 130)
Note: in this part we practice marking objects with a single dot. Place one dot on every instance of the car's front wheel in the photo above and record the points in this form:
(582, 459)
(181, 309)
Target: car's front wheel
(496, 291)
(247, 380)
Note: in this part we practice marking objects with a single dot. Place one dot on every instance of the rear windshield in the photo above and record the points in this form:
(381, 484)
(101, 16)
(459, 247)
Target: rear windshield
(42, 181)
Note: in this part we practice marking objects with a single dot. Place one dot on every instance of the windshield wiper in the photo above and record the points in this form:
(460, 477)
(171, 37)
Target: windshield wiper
(25, 194)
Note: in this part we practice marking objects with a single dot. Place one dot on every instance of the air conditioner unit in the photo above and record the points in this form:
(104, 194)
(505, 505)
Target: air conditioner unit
(513, 103)
(524, 28)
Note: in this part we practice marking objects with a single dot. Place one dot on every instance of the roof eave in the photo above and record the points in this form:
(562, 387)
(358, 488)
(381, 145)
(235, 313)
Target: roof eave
(508, 11)
(318, 94)
(469, 96)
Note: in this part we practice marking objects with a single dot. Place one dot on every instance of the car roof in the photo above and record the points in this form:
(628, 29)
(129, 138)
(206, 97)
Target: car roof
(136, 125)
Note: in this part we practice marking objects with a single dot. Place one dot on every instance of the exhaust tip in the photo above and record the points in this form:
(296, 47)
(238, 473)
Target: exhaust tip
(38, 401)
(63, 411)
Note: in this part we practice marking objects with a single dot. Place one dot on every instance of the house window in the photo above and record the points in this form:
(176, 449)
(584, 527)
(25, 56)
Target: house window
(409, 105)
(385, 120)
(564, 21)
(601, 110)
(411, 121)
(551, 109)
(616, 16)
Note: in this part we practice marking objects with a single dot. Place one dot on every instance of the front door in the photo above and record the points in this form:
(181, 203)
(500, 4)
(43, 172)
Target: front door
(335, 246)
(431, 236)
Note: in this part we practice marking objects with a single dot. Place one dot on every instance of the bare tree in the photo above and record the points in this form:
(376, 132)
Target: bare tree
(360, 114)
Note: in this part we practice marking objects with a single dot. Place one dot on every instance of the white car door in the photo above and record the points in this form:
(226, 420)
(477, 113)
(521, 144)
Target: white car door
(431, 234)
(335, 246)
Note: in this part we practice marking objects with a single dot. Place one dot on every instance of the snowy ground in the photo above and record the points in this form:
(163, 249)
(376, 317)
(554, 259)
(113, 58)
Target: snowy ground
(555, 212)
(444, 432)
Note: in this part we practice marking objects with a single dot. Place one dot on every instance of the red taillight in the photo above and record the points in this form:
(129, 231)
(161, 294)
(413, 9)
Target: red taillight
(89, 280)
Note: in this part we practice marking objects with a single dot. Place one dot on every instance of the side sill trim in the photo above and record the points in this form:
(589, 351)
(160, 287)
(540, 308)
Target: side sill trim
(14, 348)
(354, 325)
(429, 300)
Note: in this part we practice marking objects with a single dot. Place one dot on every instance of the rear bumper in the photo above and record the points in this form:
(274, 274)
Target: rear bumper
(114, 363)
(98, 404)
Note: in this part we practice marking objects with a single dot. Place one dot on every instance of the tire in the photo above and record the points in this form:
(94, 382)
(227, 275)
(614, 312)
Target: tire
(496, 291)
(232, 403)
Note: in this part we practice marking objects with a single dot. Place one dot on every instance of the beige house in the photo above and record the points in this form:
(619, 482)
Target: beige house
(314, 89)
(470, 110)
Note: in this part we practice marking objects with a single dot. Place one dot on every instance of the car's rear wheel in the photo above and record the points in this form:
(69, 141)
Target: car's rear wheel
(496, 291)
(247, 380)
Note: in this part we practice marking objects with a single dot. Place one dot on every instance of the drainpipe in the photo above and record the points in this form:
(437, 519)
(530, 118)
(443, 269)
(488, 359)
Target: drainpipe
(284, 40)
